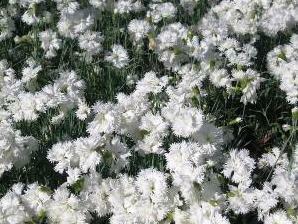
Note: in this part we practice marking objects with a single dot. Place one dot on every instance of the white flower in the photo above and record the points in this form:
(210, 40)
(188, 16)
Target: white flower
(220, 78)
(95, 193)
(250, 82)
(282, 63)
(12, 210)
(241, 199)
(64, 155)
(276, 18)
(83, 110)
(199, 213)
(29, 17)
(278, 217)
(127, 6)
(67, 6)
(66, 208)
(152, 183)
(138, 29)
(209, 134)
(131, 108)
(106, 119)
(185, 121)
(31, 71)
(155, 129)
(118, 56)
(88, 150)
(73, 175)
(161, 11)
(15, 149)
(153, 123)
(100, 4)
(171, 35)
(50, 43)
(239, 166)
(285, 185)
(117, 154)
(273, 158)
(150, 83)
(206, 213)
(91, 42)
(186, 161)
(151, 143)
(25, 107)
(144, 200)
(35, 198)
(72, 25)
(266, 199)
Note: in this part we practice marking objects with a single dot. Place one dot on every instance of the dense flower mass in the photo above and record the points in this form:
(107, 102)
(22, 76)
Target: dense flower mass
(148, 112)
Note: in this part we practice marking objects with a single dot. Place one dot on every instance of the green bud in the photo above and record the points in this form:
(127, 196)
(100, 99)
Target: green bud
(295, 113)
(235, 121)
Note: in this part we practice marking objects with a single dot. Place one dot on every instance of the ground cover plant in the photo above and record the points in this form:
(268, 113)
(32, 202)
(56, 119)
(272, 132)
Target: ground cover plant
(144, 112)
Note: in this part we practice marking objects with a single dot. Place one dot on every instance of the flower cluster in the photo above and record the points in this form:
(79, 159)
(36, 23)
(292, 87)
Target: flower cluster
(282, 63)
(130, 101)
